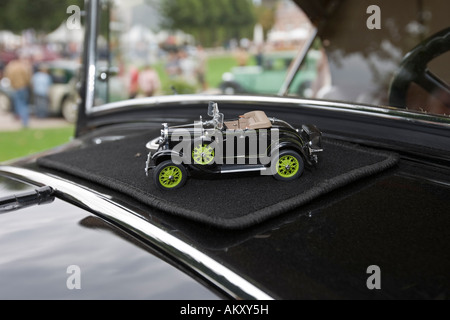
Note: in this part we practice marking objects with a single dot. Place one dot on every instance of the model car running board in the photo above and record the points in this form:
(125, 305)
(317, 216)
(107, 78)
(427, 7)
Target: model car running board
(232, 168)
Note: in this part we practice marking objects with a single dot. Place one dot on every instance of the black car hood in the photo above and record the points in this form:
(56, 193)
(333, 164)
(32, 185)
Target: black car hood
(397, 220)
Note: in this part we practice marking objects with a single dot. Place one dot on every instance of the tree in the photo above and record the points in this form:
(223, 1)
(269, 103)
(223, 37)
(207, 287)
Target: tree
(265, 14)
(210, 22)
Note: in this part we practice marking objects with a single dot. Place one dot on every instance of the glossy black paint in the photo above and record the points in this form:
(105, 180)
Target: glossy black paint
(39, 244)
(397, 220)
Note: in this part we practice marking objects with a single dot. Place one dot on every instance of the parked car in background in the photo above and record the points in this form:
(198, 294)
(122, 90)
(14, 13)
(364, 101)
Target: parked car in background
(63, 95)
(268, 77)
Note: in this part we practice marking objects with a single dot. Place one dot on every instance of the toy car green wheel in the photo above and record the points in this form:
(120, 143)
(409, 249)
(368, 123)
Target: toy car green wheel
(290, 165)
(169, 176)
(203, 154)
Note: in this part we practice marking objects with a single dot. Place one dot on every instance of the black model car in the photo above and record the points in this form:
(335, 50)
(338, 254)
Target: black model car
(110, 234)
(253, 142)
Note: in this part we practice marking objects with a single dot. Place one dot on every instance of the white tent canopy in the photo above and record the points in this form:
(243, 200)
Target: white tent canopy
(139, 33)
(9, 39)
(65, 35)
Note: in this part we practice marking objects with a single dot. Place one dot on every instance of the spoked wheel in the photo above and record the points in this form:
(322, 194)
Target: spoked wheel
(290, 166)
(203, 154)
(169, 176)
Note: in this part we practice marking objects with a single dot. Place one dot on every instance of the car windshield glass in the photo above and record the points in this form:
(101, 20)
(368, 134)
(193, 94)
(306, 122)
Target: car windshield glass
(148, 48)
(151, 48)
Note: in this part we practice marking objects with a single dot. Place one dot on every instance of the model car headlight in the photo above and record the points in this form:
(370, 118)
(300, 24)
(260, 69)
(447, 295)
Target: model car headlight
(315, 144)
(153, 145)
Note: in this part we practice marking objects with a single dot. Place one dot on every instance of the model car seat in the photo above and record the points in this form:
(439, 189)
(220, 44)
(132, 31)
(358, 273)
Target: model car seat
(254, 120)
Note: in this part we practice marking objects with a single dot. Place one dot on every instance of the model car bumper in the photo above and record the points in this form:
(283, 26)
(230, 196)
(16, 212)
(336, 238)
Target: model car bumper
(314, 158)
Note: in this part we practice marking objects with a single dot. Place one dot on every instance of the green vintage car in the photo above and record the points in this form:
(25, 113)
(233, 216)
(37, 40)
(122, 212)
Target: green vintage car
(268, 77)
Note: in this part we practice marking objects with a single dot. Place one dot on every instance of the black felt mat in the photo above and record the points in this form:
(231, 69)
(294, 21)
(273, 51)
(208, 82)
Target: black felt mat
(227, 201)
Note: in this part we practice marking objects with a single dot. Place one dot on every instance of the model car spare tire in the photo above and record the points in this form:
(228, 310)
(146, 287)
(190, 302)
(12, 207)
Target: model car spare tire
(290, 166)
(202, 154)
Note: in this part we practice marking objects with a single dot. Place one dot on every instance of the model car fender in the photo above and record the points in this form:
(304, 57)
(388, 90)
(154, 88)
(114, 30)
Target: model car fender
(163, 155)
(289, 144)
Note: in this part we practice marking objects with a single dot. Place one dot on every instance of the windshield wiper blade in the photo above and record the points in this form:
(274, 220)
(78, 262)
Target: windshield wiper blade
(38, 196)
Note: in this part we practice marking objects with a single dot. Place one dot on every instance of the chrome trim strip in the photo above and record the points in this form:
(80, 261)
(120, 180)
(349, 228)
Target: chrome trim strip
(262, 168)
(91, 47)
(219, 275)
(381, 112)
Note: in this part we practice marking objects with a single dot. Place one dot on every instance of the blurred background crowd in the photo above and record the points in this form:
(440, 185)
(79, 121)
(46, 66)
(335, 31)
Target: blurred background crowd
(160, 47)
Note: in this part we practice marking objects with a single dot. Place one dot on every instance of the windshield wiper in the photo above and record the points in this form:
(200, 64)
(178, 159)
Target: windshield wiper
(38, 196)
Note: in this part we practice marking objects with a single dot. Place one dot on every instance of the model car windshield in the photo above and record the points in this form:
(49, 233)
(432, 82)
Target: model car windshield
(217, 118)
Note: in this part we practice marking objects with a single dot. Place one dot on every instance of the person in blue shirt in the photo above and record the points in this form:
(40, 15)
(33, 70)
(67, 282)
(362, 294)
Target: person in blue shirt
(41, 83)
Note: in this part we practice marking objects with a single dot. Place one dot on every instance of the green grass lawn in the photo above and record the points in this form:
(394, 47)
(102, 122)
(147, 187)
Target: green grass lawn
(21, 143)
(216, 67)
